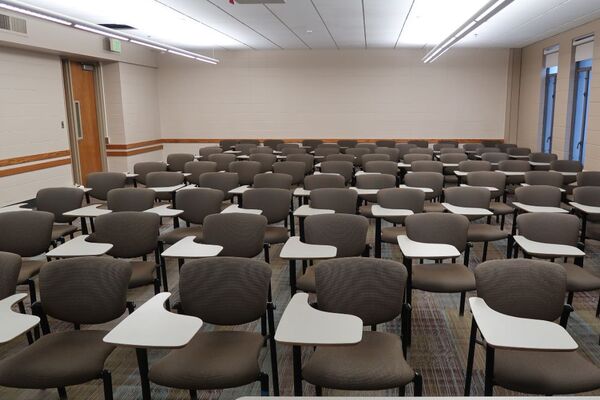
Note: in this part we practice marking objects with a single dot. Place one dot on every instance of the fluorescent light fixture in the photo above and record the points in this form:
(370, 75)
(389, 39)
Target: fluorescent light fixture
(23, 8)
(101, 32)
(35, 14)
(148, 45)
(485, 13)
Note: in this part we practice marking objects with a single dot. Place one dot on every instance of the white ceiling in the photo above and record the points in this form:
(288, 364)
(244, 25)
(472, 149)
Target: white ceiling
(297, 24)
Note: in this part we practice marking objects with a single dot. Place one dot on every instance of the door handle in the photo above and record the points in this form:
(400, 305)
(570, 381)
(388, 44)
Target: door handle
(549, 138)
(579, 145)
(78, 124)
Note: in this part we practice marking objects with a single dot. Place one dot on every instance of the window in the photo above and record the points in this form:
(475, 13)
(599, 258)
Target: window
(583, 71)
(551, 73)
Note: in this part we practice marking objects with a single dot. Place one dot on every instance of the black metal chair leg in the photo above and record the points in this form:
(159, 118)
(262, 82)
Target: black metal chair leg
(418, 385)
(318, 391)
(461, 308)
(22, 311)
(485, 250)
(273, 350)
(470, 357)
(193, 395)
(264, 384)
(62, 393)
(107, 383)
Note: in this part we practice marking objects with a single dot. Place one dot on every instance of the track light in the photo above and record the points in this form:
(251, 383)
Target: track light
(480, 17)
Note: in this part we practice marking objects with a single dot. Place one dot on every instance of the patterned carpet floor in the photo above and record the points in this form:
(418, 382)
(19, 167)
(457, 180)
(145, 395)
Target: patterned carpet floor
(438, 351)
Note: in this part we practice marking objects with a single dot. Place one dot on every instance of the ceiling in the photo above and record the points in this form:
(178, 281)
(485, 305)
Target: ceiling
(329, 24)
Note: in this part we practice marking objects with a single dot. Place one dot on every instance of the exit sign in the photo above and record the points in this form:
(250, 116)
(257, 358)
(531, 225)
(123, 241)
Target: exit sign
(114, 45)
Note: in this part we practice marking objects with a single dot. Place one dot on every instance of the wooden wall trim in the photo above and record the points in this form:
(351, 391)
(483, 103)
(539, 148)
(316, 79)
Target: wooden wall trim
(34, 157)
(326, 140)
(34, 167)
(128, 153)
(133, 145)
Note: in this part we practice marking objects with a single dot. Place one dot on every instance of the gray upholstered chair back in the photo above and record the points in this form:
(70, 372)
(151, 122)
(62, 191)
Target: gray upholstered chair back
(223, 160)
(590, 196)
(198, 203)
(477, 197)
(273, 143)
(307, 159)
(483, 150)
(227, 144)
(225, 290)
(472, 146)
(266, 161)
(26, 233)
(205, 151)
(329, 145)
(10, 265)
(548, 178)
(549, 228)
(491, 142)
(405, 199)
(514, 166)
(451, 150)
(495, 158)
(566, 166)
(289, 150)
(340, 157)
(370, 146)
(130, 199)
(132, 234)
(241, 235)
(504, 147)
(246, 170)
(440, 146)
(344, 168)
(177, 161)
(383, 167)
(489, 179)
(366, 158)
(349, 143)
(419, 143)
(588, 178)
(370, 288)
(523, 288)
(143, 169)
(358, 152)
(393, 152)
(245, 148)
(442, 228)
(274, 180)
(312, 143)
(453, 158)
(58, 201)
(422, 150)
(403, 149)
(163, 179)
(102, 182)
(385, 143)
(296, 169)
(274, 203)
(517, 151)
(255, 142)
(326, 151)
(427, 166)
(374, 181)
(197, 168)
(340, 200)
(262, 150)
(86, 290)
(312, 182)
(539, 195)
(432, 180)
(474, 165)
(412, 157)
(543, 157)
(348, 233)
(223, 181)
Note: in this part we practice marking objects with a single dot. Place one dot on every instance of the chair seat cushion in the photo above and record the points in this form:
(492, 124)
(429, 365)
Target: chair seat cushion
(538, 372)
(579, 279)
(444, 278)
(500, 208)
(306, 282)
(29, 269)
(60, 230)
(433, 207)
(177, 234)
(376, 363)
(142, 273)
(212, 360)
(485, 233)
(365, 211)
(57, 359)
(276, 234)
(390, 234)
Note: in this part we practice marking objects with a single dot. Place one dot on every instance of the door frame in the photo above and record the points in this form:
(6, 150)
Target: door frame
(579, 70)
(547, 79)
(70, 107)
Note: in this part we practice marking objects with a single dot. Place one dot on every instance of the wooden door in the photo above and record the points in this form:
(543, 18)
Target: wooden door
(85, 110)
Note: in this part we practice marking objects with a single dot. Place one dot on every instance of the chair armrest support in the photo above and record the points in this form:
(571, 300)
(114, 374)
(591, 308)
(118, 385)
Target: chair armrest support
(38, 310)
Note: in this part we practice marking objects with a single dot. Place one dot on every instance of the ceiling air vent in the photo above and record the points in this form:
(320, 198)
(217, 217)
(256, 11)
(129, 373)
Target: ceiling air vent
(13, 24)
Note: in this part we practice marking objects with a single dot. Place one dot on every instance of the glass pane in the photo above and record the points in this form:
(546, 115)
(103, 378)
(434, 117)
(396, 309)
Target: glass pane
(580, 113)
(548, 113)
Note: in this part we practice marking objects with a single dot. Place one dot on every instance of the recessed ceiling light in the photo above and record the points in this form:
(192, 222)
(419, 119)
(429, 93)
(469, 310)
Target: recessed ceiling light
(309, 31)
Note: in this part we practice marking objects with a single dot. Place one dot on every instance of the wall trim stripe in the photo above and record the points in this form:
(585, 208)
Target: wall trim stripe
(133, 145)
(34, 167)
(326, 140)
(133, 152)
(34, 157)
